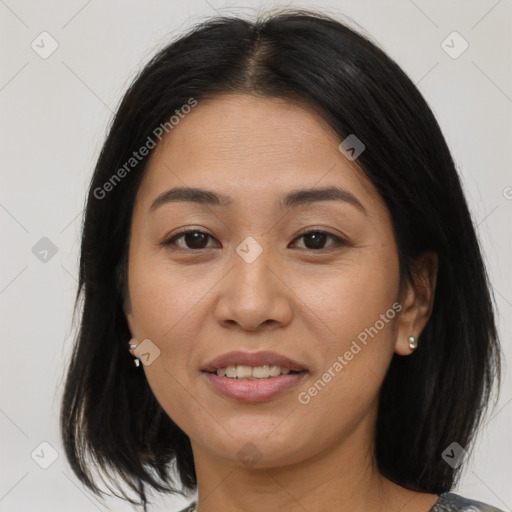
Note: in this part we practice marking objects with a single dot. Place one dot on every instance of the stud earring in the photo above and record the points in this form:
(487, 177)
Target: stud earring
(131, 346)
(413, 343)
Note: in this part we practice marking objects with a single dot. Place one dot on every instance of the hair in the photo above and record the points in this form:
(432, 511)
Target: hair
(110, 418)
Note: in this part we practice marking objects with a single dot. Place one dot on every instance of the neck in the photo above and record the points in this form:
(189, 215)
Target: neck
(343, 478)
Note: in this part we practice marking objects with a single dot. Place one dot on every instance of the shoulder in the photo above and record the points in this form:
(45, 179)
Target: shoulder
(190, 508)
(449, 502)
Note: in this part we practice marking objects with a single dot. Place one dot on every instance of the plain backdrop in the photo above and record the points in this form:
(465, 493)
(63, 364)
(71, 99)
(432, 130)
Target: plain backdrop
(54, 114)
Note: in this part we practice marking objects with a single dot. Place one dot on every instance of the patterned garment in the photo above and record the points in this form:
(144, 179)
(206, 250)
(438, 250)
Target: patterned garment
(447, 502)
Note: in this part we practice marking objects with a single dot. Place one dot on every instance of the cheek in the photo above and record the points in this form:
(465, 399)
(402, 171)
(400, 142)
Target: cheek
(166, 306)
(352, 296)
(345, 388)
(164, 297)
(352, 316)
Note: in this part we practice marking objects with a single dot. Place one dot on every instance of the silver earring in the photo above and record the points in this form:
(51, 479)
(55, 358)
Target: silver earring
(413, 342)
(131, 346)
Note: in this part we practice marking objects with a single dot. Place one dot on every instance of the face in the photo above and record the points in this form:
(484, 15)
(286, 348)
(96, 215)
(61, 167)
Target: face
(311, 277)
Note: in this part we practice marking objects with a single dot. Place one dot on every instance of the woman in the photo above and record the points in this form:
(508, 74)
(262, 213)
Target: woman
(276, 230)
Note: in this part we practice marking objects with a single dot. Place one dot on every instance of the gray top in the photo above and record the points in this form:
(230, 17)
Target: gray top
(447, 502)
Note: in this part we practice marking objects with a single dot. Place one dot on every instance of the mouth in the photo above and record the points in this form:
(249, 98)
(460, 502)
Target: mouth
(253, 377)
(253, 390)
(244, 372)
(262, 364)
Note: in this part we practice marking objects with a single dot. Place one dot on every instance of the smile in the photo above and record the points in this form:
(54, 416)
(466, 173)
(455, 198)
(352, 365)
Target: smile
(253, 389)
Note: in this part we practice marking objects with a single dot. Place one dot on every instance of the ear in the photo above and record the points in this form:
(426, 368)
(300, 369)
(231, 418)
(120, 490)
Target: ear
(128, 312)
(417, 301)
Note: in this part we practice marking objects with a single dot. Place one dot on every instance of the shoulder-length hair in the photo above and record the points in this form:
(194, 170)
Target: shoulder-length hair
(110, 418)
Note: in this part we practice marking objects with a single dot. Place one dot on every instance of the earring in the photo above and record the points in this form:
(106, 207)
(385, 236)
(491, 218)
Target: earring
(132, 346)
(413, 342)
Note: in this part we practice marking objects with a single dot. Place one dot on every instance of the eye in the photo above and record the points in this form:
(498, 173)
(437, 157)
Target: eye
(192, 238)
(316, 239)
(196, 240)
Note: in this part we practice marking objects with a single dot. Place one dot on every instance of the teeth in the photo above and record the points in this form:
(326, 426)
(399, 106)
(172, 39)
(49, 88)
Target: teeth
(231, 372)
(242, 372)
(261, 372)
(248, 372)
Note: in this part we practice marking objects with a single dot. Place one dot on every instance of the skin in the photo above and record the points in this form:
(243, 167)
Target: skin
(304, 302)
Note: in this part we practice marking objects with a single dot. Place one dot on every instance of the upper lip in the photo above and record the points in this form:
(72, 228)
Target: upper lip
(252, 359)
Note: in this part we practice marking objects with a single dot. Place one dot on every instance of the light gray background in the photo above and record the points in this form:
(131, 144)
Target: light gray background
(54, 116)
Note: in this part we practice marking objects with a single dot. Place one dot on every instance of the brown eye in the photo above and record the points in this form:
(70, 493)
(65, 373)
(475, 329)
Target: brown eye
(315, 240)
(192, 238)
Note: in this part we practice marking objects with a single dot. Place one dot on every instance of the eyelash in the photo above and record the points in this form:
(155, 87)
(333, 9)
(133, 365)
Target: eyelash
(338, 241)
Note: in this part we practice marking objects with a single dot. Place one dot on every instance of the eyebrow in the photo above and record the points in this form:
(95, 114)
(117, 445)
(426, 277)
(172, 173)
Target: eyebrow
(290, 200)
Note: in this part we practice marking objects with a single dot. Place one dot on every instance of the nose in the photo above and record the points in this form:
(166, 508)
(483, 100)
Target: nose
(254, 295)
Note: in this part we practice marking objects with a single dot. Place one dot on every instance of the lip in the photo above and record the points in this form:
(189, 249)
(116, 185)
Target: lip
(252, 359)
(253, 390)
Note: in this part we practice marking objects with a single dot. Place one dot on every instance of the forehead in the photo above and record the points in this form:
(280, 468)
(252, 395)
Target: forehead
(251, 147)
(241, 123)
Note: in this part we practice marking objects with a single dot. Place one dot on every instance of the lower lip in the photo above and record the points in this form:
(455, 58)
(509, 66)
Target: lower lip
(254, 390)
